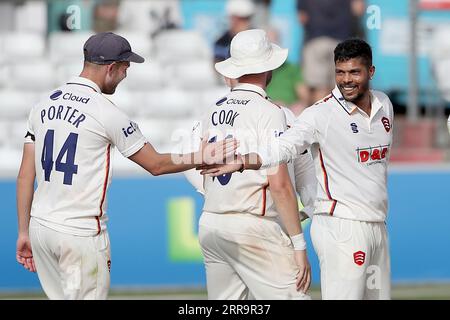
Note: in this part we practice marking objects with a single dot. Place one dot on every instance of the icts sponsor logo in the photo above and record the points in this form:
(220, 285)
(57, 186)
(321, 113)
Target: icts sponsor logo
(373, 155)
(72, 97)
(278, 133)
(129, 130)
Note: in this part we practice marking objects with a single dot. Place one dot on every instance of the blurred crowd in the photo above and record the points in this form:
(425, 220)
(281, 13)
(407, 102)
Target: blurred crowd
(325, 23)
(180, 62)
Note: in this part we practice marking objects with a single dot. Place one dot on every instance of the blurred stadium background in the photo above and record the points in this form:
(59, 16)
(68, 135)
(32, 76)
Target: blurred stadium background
(153, 221)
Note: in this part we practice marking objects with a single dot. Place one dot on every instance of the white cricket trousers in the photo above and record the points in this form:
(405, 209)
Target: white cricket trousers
(247, 255)
(71, 267)
(354, 258)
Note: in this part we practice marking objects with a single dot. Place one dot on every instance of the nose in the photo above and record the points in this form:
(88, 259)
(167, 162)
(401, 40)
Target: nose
(347, 78)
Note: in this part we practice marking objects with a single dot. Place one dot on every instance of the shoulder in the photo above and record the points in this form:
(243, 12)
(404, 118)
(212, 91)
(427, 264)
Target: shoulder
(323, 107)
(290, 116)
(269, 107)
(383, 97)
(384, 100)
(107, 110)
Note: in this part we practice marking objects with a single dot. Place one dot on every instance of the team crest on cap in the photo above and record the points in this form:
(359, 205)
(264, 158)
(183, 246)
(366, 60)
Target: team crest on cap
(386, 124)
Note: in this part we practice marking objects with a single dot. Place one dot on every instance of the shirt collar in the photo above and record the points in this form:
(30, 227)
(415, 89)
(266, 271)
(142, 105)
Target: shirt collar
(250, 87)
(85, 83)
(351, 107)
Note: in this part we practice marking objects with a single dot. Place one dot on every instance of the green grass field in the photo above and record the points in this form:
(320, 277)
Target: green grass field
(401, 292)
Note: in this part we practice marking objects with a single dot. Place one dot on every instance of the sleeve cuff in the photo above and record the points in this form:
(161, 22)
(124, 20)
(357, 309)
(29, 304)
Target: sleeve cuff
(134, 148)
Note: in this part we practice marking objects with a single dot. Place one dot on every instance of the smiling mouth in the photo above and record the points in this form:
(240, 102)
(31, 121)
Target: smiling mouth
(348, 89)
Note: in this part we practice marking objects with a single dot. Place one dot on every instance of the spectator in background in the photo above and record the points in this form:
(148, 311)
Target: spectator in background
(150, 17)
(287, 87)
(240, 13)
(261, 18)
(325, 23)
(105, 15)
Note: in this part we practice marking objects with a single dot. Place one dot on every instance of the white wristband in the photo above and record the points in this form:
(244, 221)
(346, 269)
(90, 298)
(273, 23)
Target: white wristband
(298, 241)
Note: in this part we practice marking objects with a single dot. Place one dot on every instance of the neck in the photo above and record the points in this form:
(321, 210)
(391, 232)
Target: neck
(255, 79)
(364, 103)
(95, 76)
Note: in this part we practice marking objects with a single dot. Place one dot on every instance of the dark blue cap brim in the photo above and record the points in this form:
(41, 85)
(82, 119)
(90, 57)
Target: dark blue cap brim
(134, 57)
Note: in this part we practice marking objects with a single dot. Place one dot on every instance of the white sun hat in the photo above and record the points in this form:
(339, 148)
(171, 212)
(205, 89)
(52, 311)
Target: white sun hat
(240, 8)
(251, 52)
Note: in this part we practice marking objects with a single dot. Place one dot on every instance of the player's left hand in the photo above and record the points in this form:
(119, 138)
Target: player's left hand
(24, 255)
(304, 275)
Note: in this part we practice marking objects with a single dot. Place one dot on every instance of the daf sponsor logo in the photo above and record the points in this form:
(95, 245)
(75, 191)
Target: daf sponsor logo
(237, 101)
(129, 130)
(72, 97)
(55, 95)
(372, 155)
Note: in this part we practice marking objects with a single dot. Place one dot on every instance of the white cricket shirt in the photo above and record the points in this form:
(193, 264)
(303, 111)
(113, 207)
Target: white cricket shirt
(350, 151)
(301, 171)
(247, 114)
(74, 130)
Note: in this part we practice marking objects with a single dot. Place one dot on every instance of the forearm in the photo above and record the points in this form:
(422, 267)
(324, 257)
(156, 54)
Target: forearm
(173, 163)
(286, 204)
(24, 194)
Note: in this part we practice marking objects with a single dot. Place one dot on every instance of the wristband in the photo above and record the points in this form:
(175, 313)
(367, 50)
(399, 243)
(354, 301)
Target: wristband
(298, 241)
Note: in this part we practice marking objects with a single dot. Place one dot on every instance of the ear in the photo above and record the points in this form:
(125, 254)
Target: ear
(371, 72)
(111, 67)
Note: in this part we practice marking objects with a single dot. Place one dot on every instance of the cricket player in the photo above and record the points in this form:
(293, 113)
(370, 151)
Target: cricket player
(71, 135)
(249, 231)
(301, 171)
(350, 135)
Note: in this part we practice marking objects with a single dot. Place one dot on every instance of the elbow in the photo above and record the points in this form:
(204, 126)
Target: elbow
(156, 170)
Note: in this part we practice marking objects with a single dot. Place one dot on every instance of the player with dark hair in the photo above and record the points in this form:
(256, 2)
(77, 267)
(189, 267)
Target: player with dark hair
(350, 136)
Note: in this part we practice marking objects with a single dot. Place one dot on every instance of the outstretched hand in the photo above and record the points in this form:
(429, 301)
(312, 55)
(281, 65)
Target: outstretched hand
(24, 254)
(217, 152)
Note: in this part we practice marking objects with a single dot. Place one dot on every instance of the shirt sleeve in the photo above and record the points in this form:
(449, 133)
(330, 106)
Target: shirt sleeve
(298, 138)
(29, 136)
(306, 182)
(123, 133)
(270, 128)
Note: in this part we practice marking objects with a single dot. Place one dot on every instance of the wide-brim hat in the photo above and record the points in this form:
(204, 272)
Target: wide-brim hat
(251, 52)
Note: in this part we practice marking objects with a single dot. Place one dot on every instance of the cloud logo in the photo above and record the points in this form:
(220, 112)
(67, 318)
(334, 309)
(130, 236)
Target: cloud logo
(55, 95)
(221, 101)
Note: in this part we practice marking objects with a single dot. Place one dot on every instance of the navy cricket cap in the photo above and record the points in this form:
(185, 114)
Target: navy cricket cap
(108, 47)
